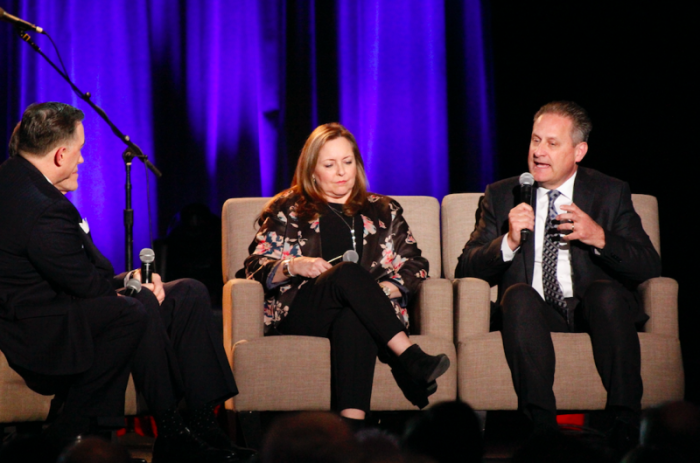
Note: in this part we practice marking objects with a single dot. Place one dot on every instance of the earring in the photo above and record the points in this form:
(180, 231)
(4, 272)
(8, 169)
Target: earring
(314, 178)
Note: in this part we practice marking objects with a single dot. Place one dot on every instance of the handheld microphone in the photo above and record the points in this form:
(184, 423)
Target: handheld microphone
(351, 256)
(133, 287)
(527, 181)
(21, 23)
(147, 257)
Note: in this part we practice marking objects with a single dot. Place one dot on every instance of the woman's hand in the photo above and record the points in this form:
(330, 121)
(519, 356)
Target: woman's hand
(308, 267)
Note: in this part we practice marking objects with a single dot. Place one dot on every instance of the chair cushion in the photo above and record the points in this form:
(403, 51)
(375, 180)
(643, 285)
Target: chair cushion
(283, 373)
(485, 382)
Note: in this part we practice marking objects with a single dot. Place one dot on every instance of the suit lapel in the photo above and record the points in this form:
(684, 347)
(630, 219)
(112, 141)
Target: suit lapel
(583, 191)
(583, 199)
(96, 257)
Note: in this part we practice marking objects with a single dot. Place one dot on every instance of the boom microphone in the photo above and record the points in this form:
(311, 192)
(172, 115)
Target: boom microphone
(147, 257)
(133, 287)
(527, 181)
(21, 23)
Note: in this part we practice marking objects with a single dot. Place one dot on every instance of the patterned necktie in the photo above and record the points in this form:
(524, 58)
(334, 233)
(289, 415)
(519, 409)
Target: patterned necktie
(550, 255)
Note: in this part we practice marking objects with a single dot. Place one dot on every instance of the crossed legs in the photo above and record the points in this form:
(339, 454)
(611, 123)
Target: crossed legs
(348, 307)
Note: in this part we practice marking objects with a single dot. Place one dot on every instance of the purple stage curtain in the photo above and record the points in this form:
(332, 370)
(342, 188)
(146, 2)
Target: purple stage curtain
(195, 85)
(393, 92)
(221, 94)
(103, 50)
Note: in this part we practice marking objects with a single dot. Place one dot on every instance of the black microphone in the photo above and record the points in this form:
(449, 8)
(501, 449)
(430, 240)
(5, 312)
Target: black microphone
(21, 23)
(133, 287)
(147, 257)
(527, 181)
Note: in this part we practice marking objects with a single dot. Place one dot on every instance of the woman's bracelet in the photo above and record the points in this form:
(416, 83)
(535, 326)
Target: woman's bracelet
(386, 290)
(286, 268)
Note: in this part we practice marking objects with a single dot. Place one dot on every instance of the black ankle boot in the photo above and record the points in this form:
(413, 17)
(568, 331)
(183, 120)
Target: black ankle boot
(421, 366)
(415, 391)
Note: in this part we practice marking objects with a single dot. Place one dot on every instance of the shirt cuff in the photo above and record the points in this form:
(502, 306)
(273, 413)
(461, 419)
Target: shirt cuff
(403, 300)
(128, 277)
(268, 283)
(507, 253)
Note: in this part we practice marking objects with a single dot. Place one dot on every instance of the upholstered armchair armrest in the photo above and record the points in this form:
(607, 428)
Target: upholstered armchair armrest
(434, 308)
(242, 311)
(472, 306)
(660, 301)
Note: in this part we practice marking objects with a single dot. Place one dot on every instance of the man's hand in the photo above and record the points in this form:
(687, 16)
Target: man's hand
(521, 217)
(156, 287)
(582, 227)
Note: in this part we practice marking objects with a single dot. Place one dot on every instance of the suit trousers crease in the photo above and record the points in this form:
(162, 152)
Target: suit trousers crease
(347, 306)
(606, 312)
(182, 353)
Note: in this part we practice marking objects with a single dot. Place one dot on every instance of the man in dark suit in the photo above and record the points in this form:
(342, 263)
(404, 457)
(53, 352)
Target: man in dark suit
(578, 271)
(67, 331)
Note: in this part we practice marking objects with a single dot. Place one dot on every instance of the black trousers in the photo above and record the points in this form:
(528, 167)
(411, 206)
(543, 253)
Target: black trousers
(173, 351)
(347, 306)
(606, 311)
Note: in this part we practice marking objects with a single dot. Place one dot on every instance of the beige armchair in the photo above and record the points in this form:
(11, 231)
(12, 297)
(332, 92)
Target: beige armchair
(19, 404)
(293, 372)
(484, 376)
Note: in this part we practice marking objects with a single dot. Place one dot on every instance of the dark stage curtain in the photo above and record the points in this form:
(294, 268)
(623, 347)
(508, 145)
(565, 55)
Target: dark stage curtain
(222, 94)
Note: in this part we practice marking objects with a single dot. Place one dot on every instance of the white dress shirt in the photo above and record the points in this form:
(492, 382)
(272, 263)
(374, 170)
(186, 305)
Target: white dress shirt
(564, 259)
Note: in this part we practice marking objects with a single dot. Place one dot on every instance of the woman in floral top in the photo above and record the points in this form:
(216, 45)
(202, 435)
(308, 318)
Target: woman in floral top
(322, 247)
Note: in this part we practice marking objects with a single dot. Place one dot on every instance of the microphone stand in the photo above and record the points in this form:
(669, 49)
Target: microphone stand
(132, 150)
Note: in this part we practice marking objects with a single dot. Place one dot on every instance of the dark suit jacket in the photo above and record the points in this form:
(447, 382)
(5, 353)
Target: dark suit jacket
(628, 256)
(50, 272)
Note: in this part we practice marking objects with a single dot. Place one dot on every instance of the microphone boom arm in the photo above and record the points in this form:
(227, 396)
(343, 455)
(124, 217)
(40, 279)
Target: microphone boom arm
(86, 97)
(132, 150)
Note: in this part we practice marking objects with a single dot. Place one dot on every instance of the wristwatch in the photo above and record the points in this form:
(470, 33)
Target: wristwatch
(285, 268)
(386, 290)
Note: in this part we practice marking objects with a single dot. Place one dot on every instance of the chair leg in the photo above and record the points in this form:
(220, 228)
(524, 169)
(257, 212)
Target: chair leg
(481, 414)
(29, 428)
(251, 428)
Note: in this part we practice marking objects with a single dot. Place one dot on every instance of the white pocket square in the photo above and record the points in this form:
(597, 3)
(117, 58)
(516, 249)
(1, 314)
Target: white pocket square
(84, 225)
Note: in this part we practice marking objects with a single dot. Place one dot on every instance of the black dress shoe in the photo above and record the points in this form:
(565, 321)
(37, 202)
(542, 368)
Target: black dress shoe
(218, 439)
(423, 367)
(188, 448)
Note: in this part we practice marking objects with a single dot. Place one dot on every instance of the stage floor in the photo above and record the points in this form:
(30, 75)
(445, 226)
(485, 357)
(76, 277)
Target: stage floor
(505, 432)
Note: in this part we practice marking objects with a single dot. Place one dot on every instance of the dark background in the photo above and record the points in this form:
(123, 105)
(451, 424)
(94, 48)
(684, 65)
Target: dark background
(632, 68)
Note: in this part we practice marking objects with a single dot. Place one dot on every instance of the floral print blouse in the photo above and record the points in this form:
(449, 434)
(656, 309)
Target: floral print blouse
(390, 252)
